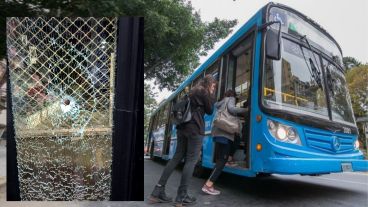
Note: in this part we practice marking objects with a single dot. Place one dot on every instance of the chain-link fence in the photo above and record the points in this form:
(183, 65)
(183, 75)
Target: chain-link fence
(61, 74)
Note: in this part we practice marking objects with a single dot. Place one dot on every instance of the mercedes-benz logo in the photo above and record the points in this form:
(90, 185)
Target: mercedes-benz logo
(336, 143)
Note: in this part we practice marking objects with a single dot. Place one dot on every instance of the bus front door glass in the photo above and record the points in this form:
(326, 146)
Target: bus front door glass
(242, 76)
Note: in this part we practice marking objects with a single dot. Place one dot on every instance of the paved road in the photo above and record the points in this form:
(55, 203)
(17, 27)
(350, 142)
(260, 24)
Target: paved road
(348, 189)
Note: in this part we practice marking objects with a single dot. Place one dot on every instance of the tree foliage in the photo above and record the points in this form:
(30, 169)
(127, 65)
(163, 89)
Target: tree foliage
(174, 34)
(357, 80)
(350, 62)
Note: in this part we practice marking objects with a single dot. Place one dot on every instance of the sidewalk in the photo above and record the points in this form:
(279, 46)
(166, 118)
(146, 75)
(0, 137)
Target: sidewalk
(2, 188)
(2, 170)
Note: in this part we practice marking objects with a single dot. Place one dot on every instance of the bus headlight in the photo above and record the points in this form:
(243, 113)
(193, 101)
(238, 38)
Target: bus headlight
(283, 133)
(356, 145)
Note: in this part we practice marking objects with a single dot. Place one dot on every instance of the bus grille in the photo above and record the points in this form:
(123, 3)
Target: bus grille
(325, 141)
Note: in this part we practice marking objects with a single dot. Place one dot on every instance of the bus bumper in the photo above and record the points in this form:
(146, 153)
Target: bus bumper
(314, 166)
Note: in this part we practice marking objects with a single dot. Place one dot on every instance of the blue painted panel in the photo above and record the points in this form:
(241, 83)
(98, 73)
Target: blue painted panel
(311, 166)
(173, 145)
(207, 151)
(208, 122)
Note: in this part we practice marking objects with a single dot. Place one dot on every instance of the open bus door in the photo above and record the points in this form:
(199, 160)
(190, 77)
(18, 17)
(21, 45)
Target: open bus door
(238, 73)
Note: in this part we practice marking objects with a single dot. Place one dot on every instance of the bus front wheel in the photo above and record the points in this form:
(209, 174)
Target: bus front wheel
(263, 175)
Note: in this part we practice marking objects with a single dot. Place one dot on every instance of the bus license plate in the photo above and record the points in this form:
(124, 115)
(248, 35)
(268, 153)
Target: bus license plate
(346, 167)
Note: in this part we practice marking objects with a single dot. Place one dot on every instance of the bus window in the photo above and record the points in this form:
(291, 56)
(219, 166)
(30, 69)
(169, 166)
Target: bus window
(167, 128)
(197, 79)
(230, 73)
(150, 126)
(153, 122)
(162, 118)
(180, 95)
(157, 120)
(222, 77)
(165, 115)
(214, 71)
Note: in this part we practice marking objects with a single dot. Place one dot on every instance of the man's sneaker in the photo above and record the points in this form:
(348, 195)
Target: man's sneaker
(184, 200)
(210, 190)
(159, 196)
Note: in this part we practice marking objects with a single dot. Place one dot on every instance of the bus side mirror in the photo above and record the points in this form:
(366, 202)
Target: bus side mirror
(273, 40)
(273, 44)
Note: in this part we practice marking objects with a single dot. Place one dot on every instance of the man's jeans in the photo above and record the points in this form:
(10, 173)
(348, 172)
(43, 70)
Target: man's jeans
(188, 147)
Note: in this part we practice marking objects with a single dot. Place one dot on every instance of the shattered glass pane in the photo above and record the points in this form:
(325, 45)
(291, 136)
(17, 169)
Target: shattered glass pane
(61, 74)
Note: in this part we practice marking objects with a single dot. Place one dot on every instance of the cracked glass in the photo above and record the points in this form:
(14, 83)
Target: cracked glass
(61, 72)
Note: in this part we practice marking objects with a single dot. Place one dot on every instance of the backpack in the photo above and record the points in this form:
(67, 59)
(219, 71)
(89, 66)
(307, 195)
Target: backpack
(181, 111)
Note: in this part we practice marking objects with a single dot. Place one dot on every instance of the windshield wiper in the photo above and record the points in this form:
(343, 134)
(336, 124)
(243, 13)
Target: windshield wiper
(316, 71)
(329, 79)
(312, 70)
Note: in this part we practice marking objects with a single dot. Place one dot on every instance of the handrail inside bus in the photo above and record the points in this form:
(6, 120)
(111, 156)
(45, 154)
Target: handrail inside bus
(284, 95)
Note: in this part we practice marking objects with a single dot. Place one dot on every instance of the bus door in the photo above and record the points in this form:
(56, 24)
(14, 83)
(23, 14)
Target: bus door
(239, 80)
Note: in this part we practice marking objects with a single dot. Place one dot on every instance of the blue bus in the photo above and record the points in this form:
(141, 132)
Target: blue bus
(288, 71)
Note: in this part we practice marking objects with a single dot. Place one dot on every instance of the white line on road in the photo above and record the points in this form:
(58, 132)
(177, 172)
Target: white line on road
(357, 173)
(345, 181)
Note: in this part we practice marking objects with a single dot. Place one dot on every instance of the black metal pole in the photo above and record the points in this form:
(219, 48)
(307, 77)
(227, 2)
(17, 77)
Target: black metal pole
(127, 158)
(12, 181)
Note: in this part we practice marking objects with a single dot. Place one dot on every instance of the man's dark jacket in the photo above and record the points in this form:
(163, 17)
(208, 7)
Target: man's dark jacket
(201, 102)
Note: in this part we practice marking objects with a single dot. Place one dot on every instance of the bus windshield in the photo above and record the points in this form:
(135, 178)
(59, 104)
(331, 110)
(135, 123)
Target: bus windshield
(294, 25)
(296, 82)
